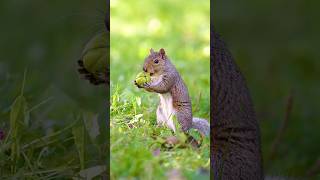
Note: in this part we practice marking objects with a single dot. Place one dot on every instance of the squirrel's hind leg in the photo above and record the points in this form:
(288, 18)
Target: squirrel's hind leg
(185, 119)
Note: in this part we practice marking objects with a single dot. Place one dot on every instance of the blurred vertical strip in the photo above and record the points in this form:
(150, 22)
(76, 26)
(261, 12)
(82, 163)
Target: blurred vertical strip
(212, 102)
(235, 132)
(107, 25)
(107, 18)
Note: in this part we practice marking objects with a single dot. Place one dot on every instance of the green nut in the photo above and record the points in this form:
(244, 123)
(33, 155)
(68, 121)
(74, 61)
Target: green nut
(142, 78)
(95, 55)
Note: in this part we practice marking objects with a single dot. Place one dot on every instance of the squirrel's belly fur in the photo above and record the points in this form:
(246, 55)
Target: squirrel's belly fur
(166, 111)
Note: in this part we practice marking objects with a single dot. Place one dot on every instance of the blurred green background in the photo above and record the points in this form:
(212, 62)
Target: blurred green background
(182, 28)
(46, 39)
(275, 43)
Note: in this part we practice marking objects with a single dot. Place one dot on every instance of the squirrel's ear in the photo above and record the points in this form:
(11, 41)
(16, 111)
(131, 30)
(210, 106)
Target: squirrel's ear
(162, 53)
(151, 51)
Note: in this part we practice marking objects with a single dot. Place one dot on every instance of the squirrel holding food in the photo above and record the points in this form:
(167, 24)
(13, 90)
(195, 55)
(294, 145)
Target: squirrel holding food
(161, 76)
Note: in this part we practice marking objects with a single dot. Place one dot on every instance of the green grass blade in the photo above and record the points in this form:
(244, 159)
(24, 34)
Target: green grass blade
(47, 137)
(17, 116)
(79, 135)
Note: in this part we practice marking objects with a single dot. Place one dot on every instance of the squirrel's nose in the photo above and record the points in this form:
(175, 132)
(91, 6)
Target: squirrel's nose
(144, 69)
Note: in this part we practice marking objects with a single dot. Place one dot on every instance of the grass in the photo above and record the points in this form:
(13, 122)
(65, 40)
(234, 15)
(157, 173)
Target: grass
(28, 150)
(135, 136)
(182, 29)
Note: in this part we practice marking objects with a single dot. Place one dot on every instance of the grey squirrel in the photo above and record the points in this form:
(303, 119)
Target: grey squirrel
(235, 139)
(174, 95)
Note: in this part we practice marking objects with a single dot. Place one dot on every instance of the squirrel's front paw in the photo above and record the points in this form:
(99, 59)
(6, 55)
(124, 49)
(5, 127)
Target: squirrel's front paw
(146, 85)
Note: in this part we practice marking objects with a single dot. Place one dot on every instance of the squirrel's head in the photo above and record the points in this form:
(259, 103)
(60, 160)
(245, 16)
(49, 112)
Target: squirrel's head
(155, 62)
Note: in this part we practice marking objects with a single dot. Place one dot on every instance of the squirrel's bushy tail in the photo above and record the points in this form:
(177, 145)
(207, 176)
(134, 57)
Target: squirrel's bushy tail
(201, 125)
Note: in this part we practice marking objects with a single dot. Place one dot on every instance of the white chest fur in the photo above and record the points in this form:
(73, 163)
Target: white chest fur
(165, 115)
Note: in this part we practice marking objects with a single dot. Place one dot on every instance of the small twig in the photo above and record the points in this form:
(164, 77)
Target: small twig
(283, 127)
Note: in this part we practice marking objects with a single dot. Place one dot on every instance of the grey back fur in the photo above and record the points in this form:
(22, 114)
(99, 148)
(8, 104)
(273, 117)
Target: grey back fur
(235, 138)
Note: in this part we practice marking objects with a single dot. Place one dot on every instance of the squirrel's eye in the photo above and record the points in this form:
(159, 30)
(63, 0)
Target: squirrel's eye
(156, 61)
